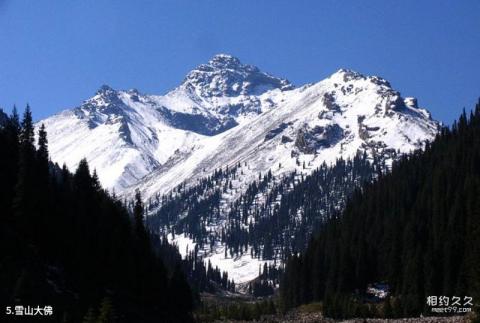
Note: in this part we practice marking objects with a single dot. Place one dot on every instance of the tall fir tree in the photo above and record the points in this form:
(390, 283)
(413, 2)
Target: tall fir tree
(65, 241)
(415, 229)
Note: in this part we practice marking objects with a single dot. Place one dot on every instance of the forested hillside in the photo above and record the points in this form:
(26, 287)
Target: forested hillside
(67, 243)
(273, 218)
(416, 230)
(237, 164)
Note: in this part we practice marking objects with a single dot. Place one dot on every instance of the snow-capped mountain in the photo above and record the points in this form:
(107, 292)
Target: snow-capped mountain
(226, 113)
(315, 123)
(127, 135)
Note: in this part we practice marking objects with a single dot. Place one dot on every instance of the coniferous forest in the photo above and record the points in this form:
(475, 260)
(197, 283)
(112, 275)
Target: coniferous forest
(415, 229)
(67, 243)
(274, 216)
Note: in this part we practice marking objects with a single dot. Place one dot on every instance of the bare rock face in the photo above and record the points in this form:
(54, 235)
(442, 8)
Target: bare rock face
(226, 111)
(278, 130)
(309, 140)
(225, 75)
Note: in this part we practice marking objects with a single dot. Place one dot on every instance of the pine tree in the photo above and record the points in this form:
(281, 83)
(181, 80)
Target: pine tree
(90, 316)
(138, 217)
(9, 136)
(179, 293)
(387, 309)
(82, 177)
(415, 228)
(27, 130)
(63, 230)
(42, 151)
(138, 213)
(106, 312)
(25, 201)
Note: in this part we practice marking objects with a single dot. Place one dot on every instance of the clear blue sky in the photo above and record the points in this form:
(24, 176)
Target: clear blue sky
(54, 54)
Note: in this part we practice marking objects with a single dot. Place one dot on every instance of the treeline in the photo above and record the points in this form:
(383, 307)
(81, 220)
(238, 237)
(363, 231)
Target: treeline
(201, 276)
(206, 278)
(272, 216)
(67, 243)
(241, 311)
(267, 281)
(415, 229)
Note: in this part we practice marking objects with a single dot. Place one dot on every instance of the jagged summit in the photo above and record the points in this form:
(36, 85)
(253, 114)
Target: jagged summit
(347, 75)
(227, 113)
(104, 89)
(226, 110)
(225, 75)
(349, 72)
(105, 99)
(224, 61)
(105, 95)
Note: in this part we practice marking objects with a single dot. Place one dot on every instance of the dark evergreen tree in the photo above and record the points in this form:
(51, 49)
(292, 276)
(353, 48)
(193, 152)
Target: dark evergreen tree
(90, 317)
(66, 242)
(179, 292)
(415, 229)
(106, 312)
(140, 231)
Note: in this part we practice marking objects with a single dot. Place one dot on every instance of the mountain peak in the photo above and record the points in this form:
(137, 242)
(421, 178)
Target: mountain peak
(225, 76)
(224, 61)
(105, 89)
(346, 75)
(128, 135)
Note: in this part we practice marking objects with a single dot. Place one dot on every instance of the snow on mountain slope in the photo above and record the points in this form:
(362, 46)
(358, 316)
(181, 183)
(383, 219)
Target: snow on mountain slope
(126, 135)
(226, 113)
(241, 269)
(316, 123)
(117, 134)
(297, 129)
